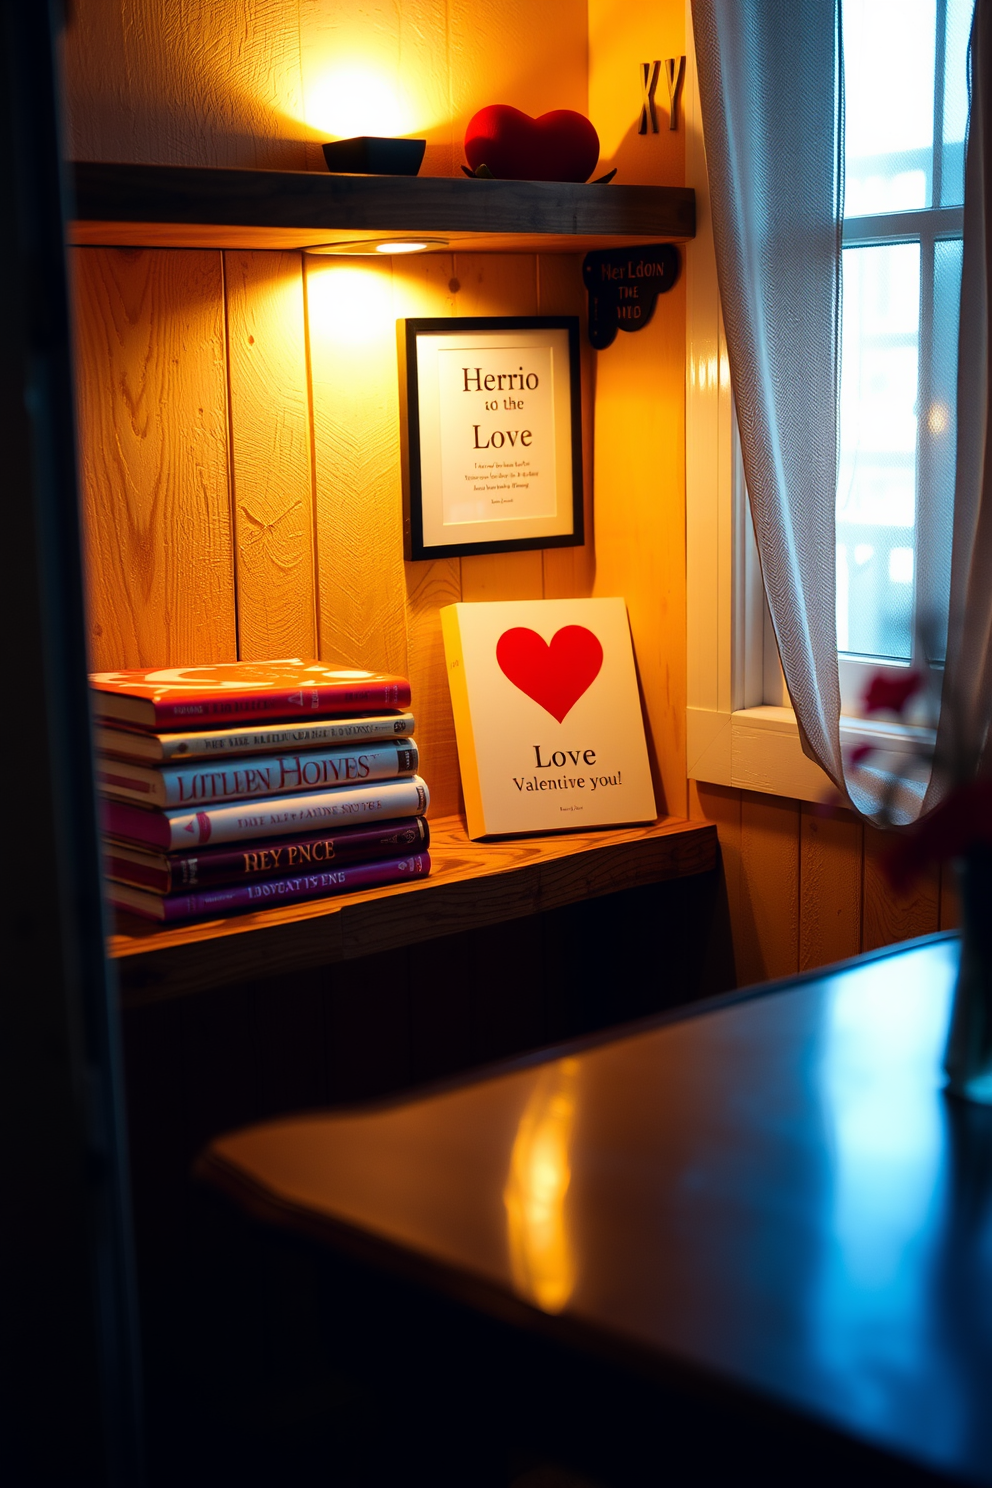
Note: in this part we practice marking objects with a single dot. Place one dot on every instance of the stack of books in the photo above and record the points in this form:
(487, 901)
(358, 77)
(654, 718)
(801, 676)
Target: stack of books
(235, 787)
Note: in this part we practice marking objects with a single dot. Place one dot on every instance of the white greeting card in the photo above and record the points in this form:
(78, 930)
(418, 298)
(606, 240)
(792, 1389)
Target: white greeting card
(547, 715)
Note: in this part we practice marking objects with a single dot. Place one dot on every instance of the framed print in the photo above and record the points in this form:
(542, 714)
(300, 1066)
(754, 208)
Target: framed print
(491, 435)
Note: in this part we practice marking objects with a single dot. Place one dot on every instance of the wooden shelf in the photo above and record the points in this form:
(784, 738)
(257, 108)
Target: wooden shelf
(473, 884)
(187, 207)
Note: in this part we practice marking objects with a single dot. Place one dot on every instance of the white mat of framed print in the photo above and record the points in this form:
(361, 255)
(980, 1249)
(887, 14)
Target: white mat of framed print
(492, 435)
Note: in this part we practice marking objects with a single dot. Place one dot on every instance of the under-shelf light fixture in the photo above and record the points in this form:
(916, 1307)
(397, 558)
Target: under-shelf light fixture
(367, 247)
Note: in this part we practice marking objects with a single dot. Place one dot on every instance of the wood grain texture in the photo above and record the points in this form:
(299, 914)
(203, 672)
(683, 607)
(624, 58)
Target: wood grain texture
(328, 207)
(640, 520)
(422, 288)
(569, 573)
(829, 886)
(152, 404)
(270, 455)
(380, 70)
(769, 919)
(887, 916)
(359, 532)
(186, 83)
(472, 884)
(721, 805)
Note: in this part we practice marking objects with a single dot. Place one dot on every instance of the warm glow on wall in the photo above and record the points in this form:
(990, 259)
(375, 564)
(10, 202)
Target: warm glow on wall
(354, 98)
(349, 305)
(540, 1253)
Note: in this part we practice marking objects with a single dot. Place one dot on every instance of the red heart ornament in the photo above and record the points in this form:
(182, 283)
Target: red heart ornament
(554, 676)
(560, 146)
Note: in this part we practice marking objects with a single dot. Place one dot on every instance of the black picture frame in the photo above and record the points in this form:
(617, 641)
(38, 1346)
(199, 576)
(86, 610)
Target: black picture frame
(567, 527)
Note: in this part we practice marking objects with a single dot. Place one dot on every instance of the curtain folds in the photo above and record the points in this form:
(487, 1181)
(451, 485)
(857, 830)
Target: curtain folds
(770, 82)
(963, 735)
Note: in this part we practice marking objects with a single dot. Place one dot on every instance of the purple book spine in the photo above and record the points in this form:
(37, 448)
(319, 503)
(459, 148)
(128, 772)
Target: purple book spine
(303, 886)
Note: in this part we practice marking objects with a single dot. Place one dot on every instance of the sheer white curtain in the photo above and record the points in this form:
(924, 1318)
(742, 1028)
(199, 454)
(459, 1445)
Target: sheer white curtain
(770, 79)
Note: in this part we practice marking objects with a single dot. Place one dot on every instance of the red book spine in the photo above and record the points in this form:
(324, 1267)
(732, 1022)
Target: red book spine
(272, 891)
(288, 704)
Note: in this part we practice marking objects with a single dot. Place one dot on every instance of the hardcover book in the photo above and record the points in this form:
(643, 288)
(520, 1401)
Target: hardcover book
(270, 891)
(171, 873)
(547, 715)
(163, 749)
(241, 692)
(199, 783)
(273, 816)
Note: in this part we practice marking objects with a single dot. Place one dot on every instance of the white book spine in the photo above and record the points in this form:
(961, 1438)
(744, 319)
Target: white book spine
(277, 817)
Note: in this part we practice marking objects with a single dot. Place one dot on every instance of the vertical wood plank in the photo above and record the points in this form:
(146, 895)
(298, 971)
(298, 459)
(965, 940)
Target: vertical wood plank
(422, 287)
(640, 520)
(499, 284)
(569, 573)
(889, 917)
(270, 455)
(186, 83)
(361, 580)
(722, 806)
(830, 886)
(769, 921)
(380, 70)
(152, 401)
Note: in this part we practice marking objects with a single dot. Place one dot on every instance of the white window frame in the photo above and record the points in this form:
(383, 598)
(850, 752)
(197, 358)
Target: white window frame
(740, 728)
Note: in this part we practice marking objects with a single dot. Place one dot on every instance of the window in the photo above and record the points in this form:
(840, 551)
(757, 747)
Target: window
(906, 112)
(906, 109)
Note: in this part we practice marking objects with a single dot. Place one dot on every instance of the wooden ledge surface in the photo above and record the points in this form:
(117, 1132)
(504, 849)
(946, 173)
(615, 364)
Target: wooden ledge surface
(187, 206)
(472, 884)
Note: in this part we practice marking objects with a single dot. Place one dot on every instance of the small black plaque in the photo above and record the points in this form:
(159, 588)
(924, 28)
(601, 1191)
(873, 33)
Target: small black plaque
(624, 285)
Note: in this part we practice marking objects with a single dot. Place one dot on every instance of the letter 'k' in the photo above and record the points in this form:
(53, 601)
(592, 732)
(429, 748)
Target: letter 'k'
(650, 72)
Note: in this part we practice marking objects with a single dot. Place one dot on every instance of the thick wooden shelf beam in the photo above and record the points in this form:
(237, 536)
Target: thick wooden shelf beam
(473, 884)
(188, 207)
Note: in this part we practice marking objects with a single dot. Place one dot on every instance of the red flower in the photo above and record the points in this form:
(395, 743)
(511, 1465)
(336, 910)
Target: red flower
(962, 820)
(891, 694)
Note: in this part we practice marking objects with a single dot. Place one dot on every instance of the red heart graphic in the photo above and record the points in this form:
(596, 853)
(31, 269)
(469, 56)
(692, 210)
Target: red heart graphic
(560, 146)
(555, 676)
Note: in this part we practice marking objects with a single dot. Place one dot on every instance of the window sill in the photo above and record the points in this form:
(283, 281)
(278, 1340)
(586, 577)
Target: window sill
(758, 749)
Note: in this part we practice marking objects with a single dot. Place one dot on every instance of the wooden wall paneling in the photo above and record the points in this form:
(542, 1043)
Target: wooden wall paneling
(830, 888)
(422, 287)
(185, 83)
(505, 979)
(499, 284)
(152, 401)
(358, 499)
(219, 1064)
(888, 917)
(380, 70)
(569, 573)
(367, 1027)
(769, 915)
(271, 477)
(722, 806)
(640, 520)
(288, 1015)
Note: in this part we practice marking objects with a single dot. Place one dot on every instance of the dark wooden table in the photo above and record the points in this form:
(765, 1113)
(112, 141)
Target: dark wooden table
(768, 1197)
